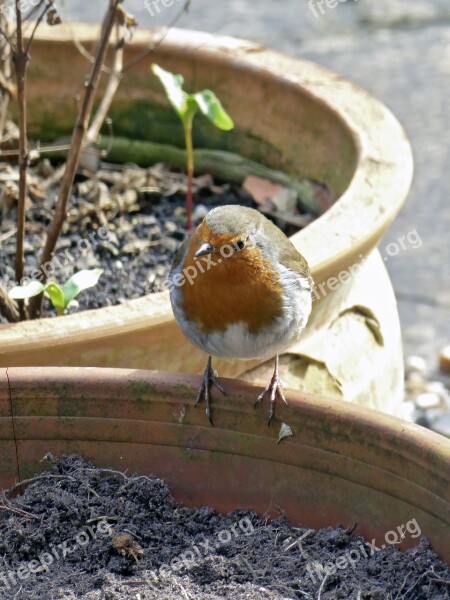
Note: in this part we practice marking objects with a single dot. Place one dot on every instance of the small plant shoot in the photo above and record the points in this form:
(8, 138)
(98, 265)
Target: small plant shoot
(186, 106)
(60, 295)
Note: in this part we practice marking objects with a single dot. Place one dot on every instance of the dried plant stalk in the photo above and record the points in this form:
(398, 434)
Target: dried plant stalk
(76, 145)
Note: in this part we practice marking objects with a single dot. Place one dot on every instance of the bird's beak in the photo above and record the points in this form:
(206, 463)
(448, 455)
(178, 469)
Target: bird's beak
(205, 248)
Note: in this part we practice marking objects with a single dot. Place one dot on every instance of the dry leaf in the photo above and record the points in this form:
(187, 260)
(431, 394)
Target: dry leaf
(285, 431)
(262, 190)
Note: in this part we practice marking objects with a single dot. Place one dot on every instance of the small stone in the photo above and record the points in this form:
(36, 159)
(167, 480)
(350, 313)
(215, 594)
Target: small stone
(148, 220)
(118, 264)
(109, 248)
(73, 305)
(44, 168)
(87, 260)
(415, 383)
(415, 364)
(170, 244)
(444, 359)
(63, 243)
(428, 400)
(437, 387)
(28, 248)
(200, 212)
(170, 226)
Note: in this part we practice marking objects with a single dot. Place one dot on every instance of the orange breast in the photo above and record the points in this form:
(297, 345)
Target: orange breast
(240, 288)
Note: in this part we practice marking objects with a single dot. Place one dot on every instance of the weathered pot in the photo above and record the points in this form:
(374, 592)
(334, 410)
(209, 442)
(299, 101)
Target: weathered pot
(291, 115)
(344, 464)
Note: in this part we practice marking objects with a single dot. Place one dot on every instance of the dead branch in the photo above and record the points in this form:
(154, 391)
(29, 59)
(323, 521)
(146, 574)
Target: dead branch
(76, 146)
(8, 308)
(20, 60)
(8, 89)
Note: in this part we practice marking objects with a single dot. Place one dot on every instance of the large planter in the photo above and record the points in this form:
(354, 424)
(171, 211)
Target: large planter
(344, 464)
(291, 115)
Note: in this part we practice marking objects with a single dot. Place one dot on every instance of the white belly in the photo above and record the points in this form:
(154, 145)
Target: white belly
(237, 342)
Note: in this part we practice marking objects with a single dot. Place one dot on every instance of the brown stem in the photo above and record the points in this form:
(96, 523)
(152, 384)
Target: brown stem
(8, 89)
(8, 308)
(20, 59)
(73, 156)
(111, 88)
(5, 73)
(190, 172)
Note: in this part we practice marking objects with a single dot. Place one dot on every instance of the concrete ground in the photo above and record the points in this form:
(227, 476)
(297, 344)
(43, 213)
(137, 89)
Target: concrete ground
(400, 52)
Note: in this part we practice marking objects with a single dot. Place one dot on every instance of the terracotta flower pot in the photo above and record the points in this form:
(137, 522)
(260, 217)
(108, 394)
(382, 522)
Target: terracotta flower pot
(291, 115)
(344, 464)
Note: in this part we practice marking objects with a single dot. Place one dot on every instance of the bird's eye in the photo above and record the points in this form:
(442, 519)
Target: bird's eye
(240, 244)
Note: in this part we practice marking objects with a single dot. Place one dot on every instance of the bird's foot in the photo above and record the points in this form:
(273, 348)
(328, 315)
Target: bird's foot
(209, 381)
(275, 389)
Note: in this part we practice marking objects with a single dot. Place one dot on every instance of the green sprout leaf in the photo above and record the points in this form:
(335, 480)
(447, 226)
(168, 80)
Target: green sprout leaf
(60, 296)
(173, 85)
(78, 282)
(56, 295)
(187, 105)
(30, 289)
(212, 108)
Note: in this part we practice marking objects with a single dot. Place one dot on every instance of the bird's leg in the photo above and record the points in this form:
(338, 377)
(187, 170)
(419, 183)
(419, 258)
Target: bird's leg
(275, 389)
(209, 380)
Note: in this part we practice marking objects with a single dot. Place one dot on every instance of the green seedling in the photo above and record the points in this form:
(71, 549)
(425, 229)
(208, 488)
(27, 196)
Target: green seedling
(60, 295)
(186, 106)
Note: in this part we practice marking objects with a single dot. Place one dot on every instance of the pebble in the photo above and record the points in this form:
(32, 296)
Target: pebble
(28, 248)
(415, 383)
(437, 387)
(170, 226)
(200, 212)
(444, 359)
(87, 261)
(148, 220)
(428, 400)
(170, 244)
(110, 248)
(415, 364)
(392, 12)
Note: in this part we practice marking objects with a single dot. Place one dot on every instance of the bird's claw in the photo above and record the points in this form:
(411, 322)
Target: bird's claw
(275, 388)
(209, 381)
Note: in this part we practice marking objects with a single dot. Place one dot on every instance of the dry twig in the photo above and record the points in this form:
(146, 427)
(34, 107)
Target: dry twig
(76, 145)
(20, 60)
(8, 308)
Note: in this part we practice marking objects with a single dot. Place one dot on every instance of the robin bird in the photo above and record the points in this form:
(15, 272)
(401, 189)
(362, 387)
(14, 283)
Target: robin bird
(240, 289)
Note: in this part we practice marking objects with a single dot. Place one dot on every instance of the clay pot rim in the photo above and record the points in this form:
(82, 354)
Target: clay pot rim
(387, 471)
(180, 388)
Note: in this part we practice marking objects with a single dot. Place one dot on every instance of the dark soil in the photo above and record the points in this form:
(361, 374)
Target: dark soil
(82, 532)
(142, 212)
